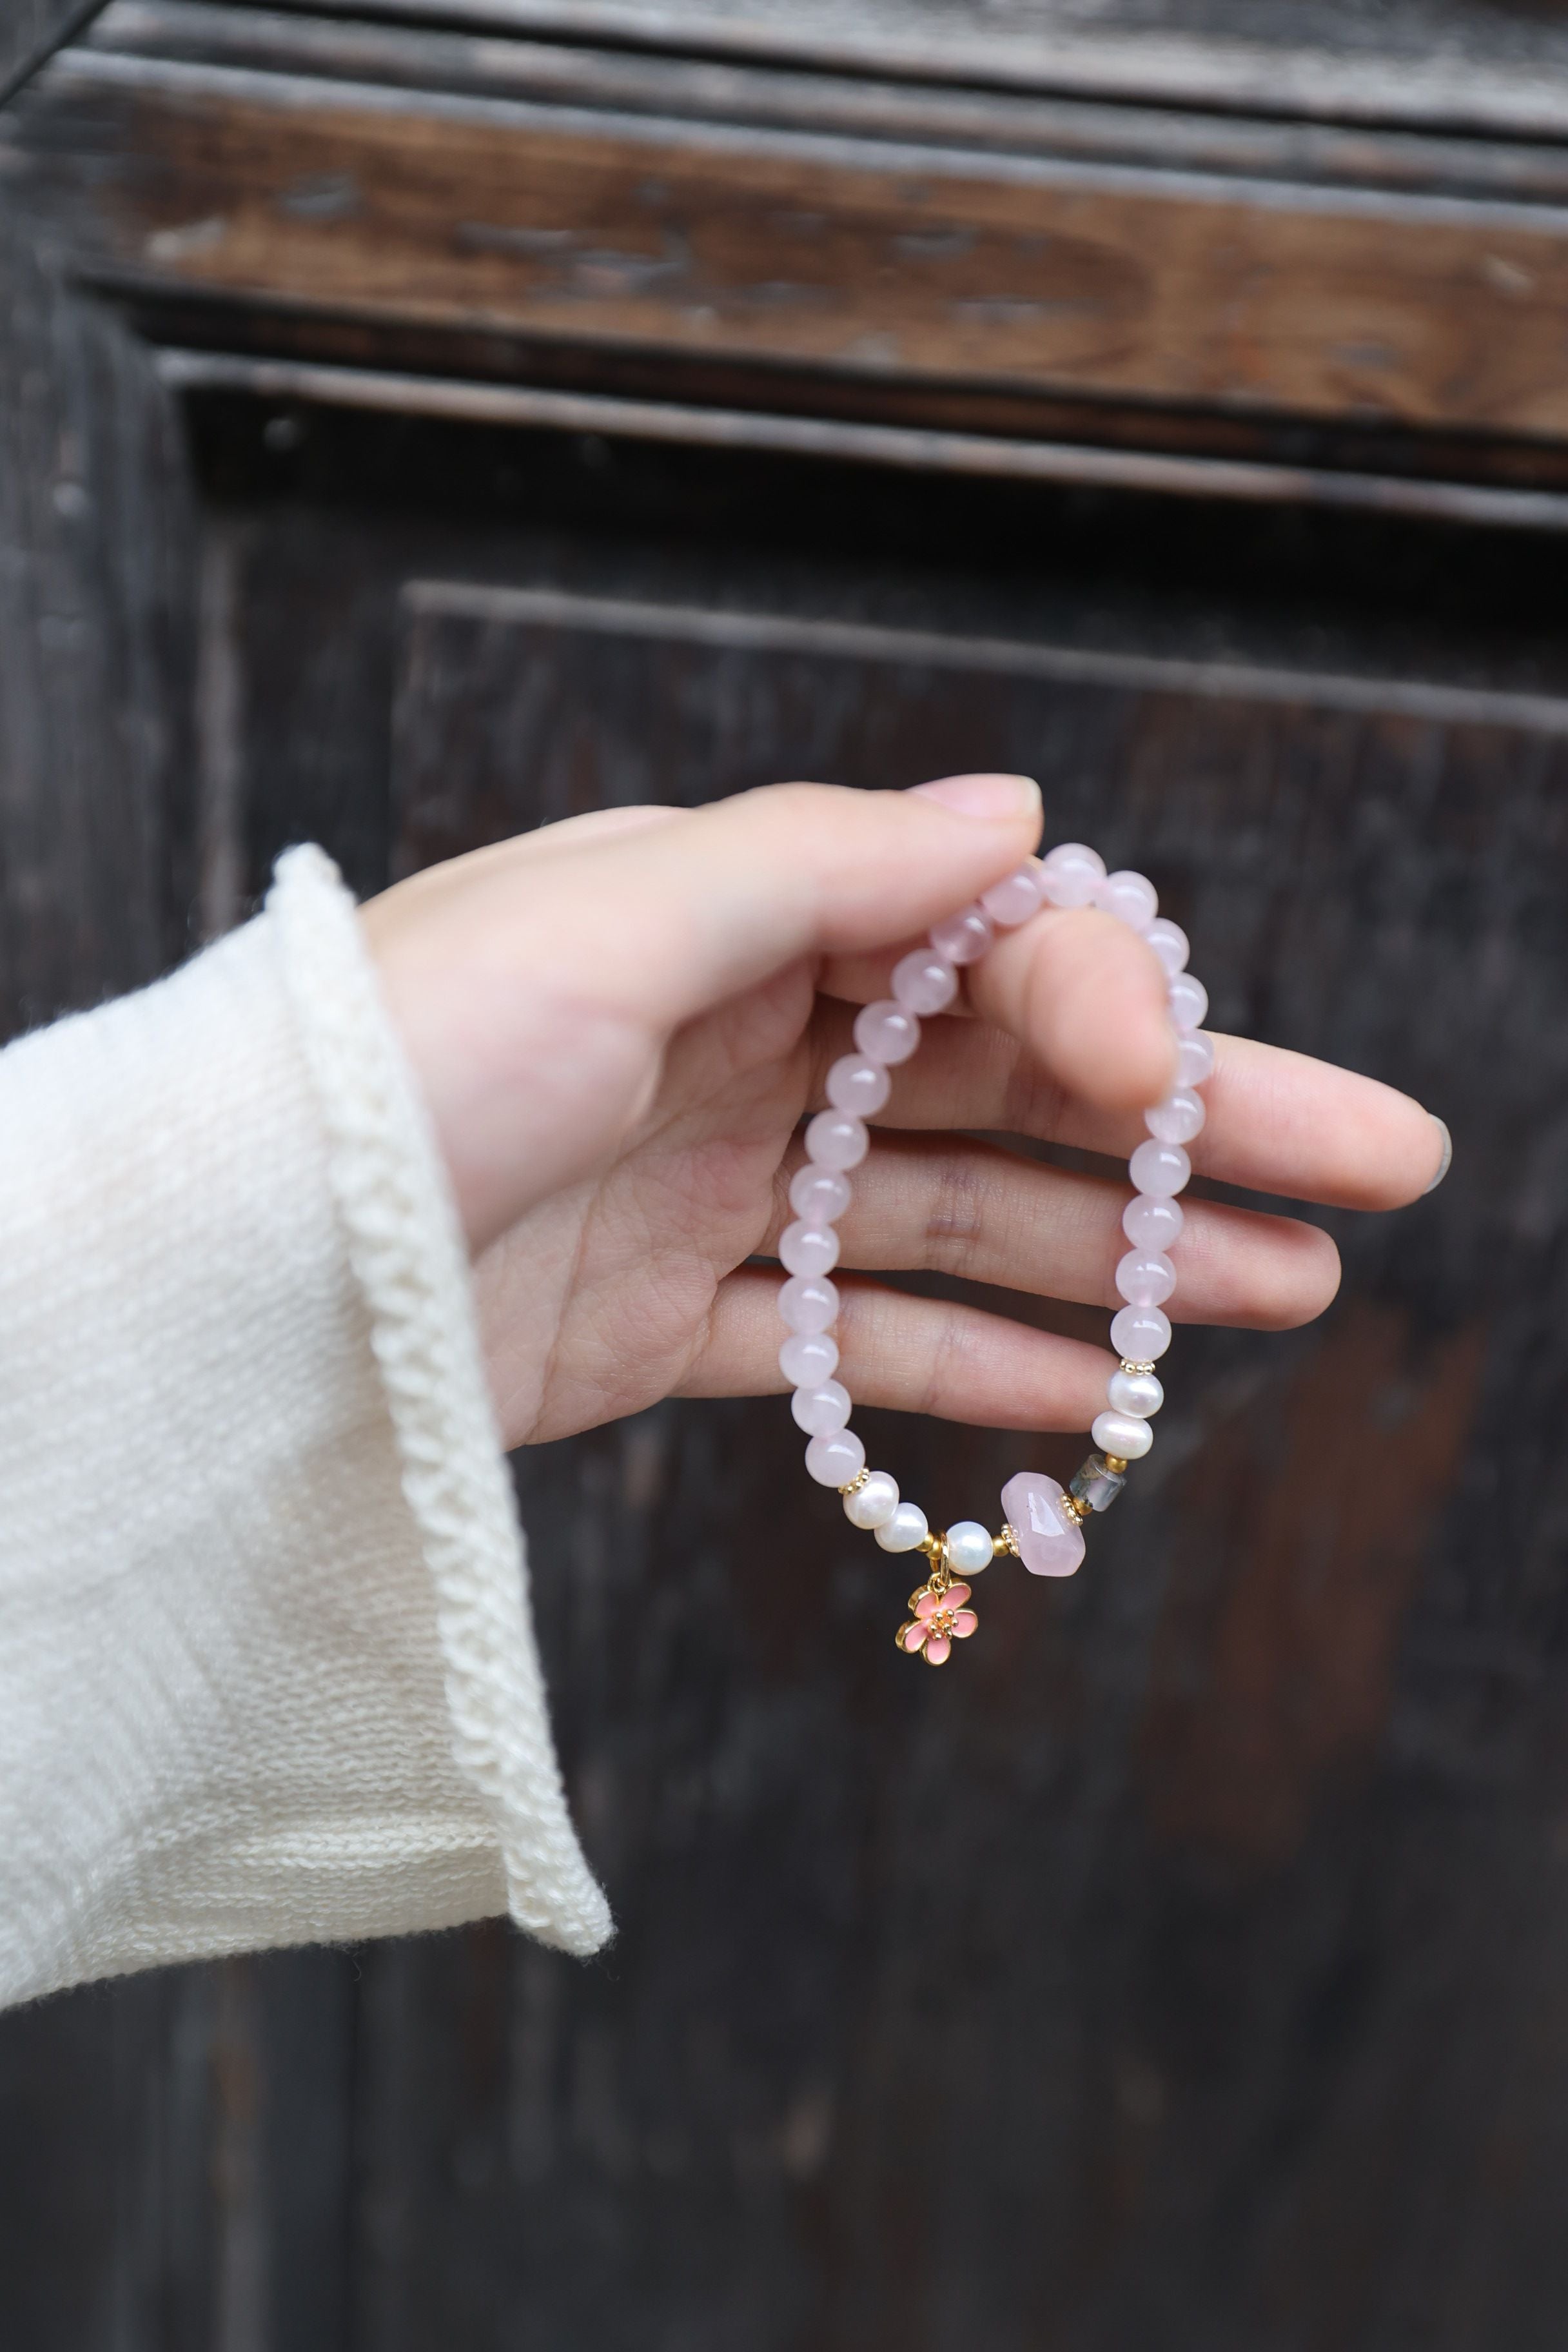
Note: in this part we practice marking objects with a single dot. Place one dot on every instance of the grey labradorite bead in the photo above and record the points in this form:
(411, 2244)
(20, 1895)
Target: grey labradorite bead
(1097, 1484)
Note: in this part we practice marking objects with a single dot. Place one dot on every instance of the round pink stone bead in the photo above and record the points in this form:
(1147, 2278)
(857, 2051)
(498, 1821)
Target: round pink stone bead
(1151, 1223)
(963, 938)
(1189, 1000)
(1145, 1277)
(807, 1359)
(820, 1195)
(1169, 942)
(1070, 875)
(1140, 1334)
(1013, 901)
(1131, 897)
(1160, 1168)
(1195, 1058)
(858, 1084)
(836, 1139)
(886, 1032)
(808, 1249)
(833, 1461)
(1178, 1118)
(822, 1410)
(924, 982)
(809, 1302)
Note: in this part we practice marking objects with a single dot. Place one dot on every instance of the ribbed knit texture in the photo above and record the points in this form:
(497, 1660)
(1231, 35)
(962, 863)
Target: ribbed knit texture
(266, 1670)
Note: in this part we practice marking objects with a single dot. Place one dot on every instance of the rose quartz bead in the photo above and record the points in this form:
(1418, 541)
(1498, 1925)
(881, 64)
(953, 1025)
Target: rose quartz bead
(820, 1195)
(1071, 875)
(1014, 901)
(1049, 1540)
(833, 1461)
(1160, 1168)
(858, 1084)
(1145, 1277)
(1195, 1058)
(1131, 897)
(1149, 1223)
(1139, 1335)
(808, 1249)
(836, 1139)
(1178, 1118)
(808, 1303)
(1118, 1433)
(886, 1032)
(924, 982)
(1189, 1002)
(963, 938)
(822, 1410)
(1169, 942)
(807, 1359)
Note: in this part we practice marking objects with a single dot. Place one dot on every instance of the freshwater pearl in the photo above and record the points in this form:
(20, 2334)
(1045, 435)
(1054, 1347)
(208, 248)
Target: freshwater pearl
(963, 939)
(1145, 1277)
(926, 983)
(1160, 1168)
(833, 1138)
(1178, 1118)
(822, 1410)
(858, 1084)
(1131, 897)
(1189, 1002)
(1170, 943)
(1071, 875)
(874, 1504)
(1195, 1058)
(886, 1032)
(1141, 1334)
(969, 1547)
(808, 1357)
(833, 1461)
(904, 1531)
(1139, 1393)
(1118, 1433)
(1015, 900)
(820, 1195)
(1149, 1223)
(810, 1302)
(808, 1249)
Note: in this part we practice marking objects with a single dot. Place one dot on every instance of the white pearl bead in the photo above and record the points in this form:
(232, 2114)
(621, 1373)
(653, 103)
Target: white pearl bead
(1139, 1393)
(904, 1531)
(969, 1547)
(1119, 1433)
(874, 1504)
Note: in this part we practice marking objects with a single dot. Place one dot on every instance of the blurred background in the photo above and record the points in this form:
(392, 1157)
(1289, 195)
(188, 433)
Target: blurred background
(424, 418)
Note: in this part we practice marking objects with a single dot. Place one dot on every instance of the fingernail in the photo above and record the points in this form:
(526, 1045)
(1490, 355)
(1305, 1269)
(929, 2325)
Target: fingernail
(1447, 1162)
(994, 797)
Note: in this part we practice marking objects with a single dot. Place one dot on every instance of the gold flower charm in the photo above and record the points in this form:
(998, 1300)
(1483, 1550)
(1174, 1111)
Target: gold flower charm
(940, 1620)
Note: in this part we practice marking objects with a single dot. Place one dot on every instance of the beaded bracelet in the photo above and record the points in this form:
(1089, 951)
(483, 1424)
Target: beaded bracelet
(1042, 1525)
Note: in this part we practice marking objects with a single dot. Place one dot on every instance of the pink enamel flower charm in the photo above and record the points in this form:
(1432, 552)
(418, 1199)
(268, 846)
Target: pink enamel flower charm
(940, 1620)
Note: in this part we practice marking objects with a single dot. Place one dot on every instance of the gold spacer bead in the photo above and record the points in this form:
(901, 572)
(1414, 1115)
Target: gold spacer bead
(856, 1483)
(932, 1545)
(1005, 1545)
(1116, 1465)
(1129, 1365)
(1075, 1508)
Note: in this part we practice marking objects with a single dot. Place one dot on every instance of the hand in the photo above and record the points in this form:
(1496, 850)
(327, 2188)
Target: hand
(619, 1020)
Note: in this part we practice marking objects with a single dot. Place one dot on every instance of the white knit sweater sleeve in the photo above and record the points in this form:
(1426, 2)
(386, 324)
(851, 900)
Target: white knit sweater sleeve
(266, 1672)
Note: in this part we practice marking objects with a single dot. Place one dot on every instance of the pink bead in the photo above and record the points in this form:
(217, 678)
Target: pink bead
(820, 1195)
(1160, 1168)
(822, 1410)
(1140, 1334)
(1178, 1118)
(1013, 901)
(886, 1032)
(833, 1138)
(1145, 1277)
(833, 1461)
(1071, 875)
(1195, 1058)
(1049, 1540)
(963, 938)
(858, 1084)
(1131, 897)
(1169, 942)
(1149, 1223)
(808, 1303)
(1189, 1000)
(925, 981)
(808, 1249)
(808, 1357)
